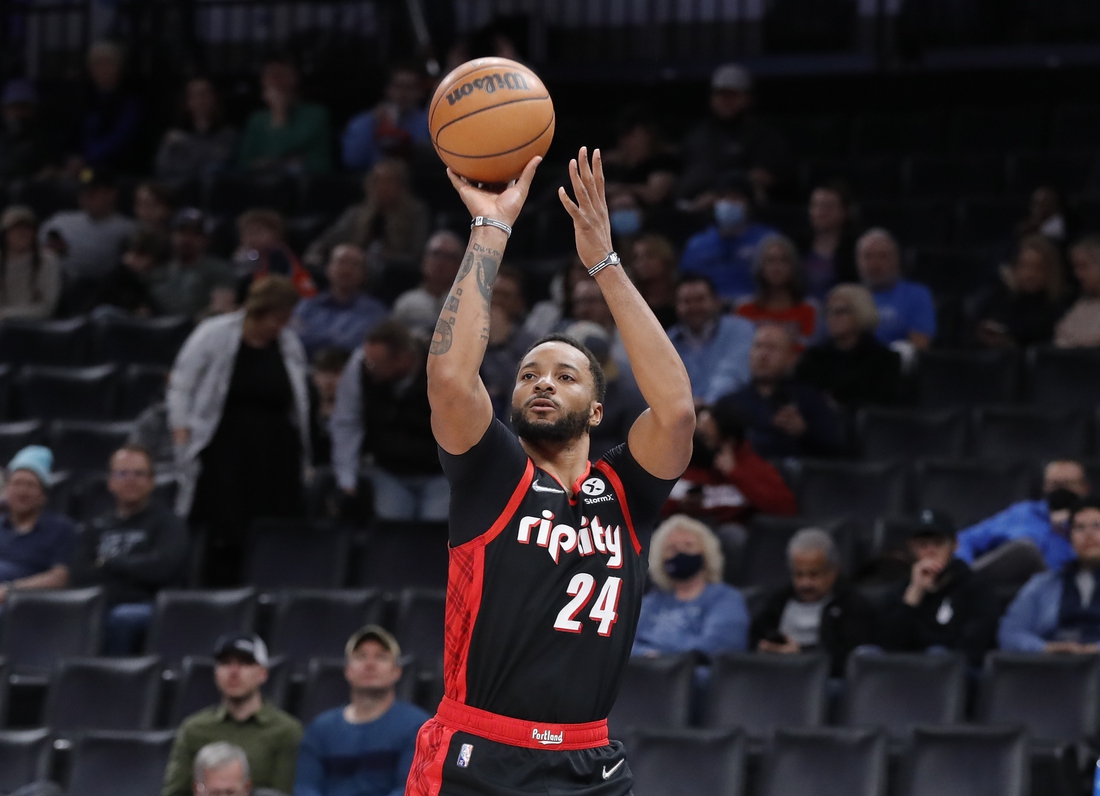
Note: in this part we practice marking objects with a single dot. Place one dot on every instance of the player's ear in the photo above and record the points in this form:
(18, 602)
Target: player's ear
(596, 415)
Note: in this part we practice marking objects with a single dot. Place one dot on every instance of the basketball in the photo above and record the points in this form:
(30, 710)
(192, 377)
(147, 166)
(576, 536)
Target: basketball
(489, 117)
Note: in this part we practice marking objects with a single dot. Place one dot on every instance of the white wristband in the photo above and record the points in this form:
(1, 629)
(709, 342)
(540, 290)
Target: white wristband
(483, 221)
(611, 259)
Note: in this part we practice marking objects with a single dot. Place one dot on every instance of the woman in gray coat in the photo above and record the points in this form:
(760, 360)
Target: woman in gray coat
(238, 405)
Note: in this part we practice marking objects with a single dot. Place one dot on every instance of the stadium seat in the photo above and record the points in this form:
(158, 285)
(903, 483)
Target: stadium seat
(103, 694)
(760, 693)
(142, 386)
(195, 688)
(1063, 378)
(872, 177)
(950, 176)
(655, 694)
(86, 444)
(326, 687)
(966, 761)
(1004, 434)
(229, 194)
(859, 491)
(43, 626)
(18, 435)
(1075, 127)
(897, 691)
(330, 194)
(825, 762)
(966, 378)
(419, 625)
(57, 343)
(763, 561)
(53, 393)
(914, 222)
(819, 135)
(189, 622)
(1069, 172)
(99, 757)
(899, 133)
(675, 762)
(1001, 128)
(988, 220)
(317, 624)
(1057, 697)
(296, 554)
(24, 757)
(126, 340)
(401, 554)
(905, 434)
(968, 491)
(952, 272)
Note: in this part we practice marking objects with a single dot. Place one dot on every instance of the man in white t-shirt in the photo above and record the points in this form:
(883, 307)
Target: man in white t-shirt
(89, 241)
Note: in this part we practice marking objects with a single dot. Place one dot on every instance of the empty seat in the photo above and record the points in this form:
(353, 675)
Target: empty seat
(910, 434)
(825, 762)
(149, 341)
(67, 393)
(1057, 697)
(966, 378)
(914, 222)
(675, 762)
(196, 690)
(1068, 172)
(861, 491)
(819, 135)
(24, 757)
(142, 386)
(1075, 127)
(954, 175)
(899, 133)
(317, 624)
(969, 491)
(953, 271)
(86, 444)
(760, 693)
(103, 694)
(1064, 378)
(655, 694)
(119, 763)
(1025, 434)
(189, 622)
(16, 436)
(419, 625)
(988, 220)
(763, 561)
(1008, 127)
(228, 194)
(296, 554)
(41, 627)
(966, 761)
(330, 194)
(401, 554)
(57, 343)
(896, 692)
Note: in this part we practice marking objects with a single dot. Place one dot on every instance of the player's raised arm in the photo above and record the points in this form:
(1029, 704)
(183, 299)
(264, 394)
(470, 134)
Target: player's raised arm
(461, 408)
(660, 439)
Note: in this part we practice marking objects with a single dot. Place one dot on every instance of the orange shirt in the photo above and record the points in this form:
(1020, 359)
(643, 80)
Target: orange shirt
(801, 318)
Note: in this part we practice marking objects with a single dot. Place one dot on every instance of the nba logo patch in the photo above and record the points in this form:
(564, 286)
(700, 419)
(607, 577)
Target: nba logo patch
(464, 755)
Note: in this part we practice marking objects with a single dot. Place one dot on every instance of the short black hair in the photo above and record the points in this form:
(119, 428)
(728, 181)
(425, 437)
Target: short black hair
(1088, 502)
(599, 381)
(693, 277)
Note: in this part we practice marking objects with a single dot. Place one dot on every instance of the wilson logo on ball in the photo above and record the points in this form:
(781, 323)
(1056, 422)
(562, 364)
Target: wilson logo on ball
(489, 84)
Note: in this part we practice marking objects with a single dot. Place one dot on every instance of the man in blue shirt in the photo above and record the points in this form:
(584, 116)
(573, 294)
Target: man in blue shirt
(906, 310)
(714, 347)
(393, 129)
(343, 315)
(725, 251)
(365, 748)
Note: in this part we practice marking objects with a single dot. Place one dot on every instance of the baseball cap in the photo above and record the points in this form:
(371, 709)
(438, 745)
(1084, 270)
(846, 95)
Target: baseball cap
(379, 634)
(731, 77)
(933, 523)
(247, 645)
(20, 92)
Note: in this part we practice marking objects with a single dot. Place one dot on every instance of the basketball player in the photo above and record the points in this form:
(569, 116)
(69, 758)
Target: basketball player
(548, 552)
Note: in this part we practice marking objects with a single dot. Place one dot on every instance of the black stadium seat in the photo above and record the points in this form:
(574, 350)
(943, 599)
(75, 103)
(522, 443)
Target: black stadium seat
(296, 554)
(1064, 378)
(18, 435)
(24, 757)
(655, 694)
(41, 627)
(195, 689)
(317, 624)
(1069, 172)
(142, 385)
(860, 491)
(1025, 434)
(949, 176)
(967, 761)
(997, 128)
(189, 622)
(966, 378)
(54, 393)
(764, 557)
(419, 625)
(825, 762)
(99, 757)
(905, 434)
(760, 693)
(988, 220)
(968, 491)
(58, 343)
(897, 691)
(86, 444)
(899, 133)
(103, 694)
(401, 554)
(675, 762)
(1075, 127)
(147, 341)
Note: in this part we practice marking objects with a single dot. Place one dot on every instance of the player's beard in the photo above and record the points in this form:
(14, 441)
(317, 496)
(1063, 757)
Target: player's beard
(565, 429)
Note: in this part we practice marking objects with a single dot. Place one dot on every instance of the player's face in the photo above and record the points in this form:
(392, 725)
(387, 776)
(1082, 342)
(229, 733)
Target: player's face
(812, 575)
(553, 398)
(372, 667)
(239, 678)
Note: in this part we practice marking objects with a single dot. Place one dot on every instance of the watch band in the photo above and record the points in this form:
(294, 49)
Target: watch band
(485, 221)
(611, 259)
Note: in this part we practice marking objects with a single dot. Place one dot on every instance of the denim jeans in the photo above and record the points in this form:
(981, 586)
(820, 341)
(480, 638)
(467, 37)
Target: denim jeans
(410, 497)
(125, 627)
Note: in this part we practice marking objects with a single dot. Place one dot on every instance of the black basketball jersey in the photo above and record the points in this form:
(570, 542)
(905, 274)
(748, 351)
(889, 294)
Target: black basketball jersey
(546, 580)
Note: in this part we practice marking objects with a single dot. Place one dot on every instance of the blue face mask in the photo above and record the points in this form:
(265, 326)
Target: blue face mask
(626, 222)
(729, 214)
(683, 566)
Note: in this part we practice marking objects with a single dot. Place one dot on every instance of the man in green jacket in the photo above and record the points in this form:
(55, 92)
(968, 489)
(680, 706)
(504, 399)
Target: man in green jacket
(290, 135)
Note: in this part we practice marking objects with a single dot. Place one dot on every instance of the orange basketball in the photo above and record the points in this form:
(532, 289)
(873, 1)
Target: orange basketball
(489, 117)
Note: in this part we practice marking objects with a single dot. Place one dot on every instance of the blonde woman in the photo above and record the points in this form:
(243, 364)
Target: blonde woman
(1024, 307)
(690, 609)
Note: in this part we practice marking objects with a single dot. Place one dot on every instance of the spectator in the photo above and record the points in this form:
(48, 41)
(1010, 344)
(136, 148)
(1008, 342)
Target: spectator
(654, 268)
(268, 736)
(90, 240)
(818, 610)
(829, 253)
(222, 768)
(1059, 611)
(126, 287)
(391, 225)
(1045, 216)
(725, 251)
(341, 316)
(641, 163)
(192, 283)
(35, 544)
(785, 417)
(289, 136)
(1080, 327)
(906, 310)
(852, 367)
(153, 207)
(153, 433)
(30, 276)
(238, 404)
(780, 290)
(382, 410)
(264, 250)
(714, 347)
(508, 341)
(200, 142)
(627, 217)
(1023, 309)
(590, 306)
(366, 747)
(27, 146)
(419, 308)
(110, 119)
(132, 552)
(943, 605)
(326, 368)
(691, 609)
(395, 128)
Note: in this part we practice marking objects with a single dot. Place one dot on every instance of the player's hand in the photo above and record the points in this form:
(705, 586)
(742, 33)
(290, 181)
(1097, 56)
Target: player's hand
(590, 218)
(503, 206)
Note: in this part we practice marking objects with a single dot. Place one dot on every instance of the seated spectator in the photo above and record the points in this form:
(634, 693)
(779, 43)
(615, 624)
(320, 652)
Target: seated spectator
(395, 128)
(641, 163)
(590, 306)
(1023, 308)
(365, 747)
(326, 368)
(264, 250)
(392, 224)
(627, 217)
(852, 367)
(35, 544)
(1045, 216)
(28, 147)
(829, 253)
(785, 417)
(382, 411)
(419, 308)
(110, 118)
(944, 605)
(341, 316)
(818, 610)
(192, 283)
(153, 207)
(127, 287)
(654, 270)
(780, 295)
(30, 276)
(714, 347)
(290, 135)
(1059, 611)
(222, 768)
(508, 340)
(725, 251)
(268, 736)
(1080, 326)
(906, 310)
(132, 552)
(200, 142)
(691, 609)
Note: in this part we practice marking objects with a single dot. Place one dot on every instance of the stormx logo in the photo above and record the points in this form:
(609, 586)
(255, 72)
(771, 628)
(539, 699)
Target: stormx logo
(547, 738)
(588, 539)
(603, 499)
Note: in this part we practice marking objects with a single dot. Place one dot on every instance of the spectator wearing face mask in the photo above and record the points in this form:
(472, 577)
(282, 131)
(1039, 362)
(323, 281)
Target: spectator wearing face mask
(627, 218)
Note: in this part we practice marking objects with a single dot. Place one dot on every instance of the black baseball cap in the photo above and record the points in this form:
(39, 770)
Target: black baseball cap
(244, 645)
(931, 523)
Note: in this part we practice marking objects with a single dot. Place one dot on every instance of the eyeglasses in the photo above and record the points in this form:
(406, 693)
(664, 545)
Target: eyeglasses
(131, 474)
(1086, 526)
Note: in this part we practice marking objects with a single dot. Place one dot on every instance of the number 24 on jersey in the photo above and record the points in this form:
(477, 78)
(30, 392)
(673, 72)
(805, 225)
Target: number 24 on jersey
(604, 612)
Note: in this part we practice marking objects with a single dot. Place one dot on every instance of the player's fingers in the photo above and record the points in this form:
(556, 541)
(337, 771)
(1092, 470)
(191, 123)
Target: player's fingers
(524, 181)
(459, 183)
(579, 191)
(570, 208)
(586, 173)
(597, 172)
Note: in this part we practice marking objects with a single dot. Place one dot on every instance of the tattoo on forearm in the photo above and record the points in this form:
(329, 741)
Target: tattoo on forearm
(451, 304)
(466, 267)
(444, 336)
(487, 268)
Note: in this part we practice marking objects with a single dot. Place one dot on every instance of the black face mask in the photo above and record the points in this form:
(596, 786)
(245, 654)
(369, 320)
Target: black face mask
(683, 566)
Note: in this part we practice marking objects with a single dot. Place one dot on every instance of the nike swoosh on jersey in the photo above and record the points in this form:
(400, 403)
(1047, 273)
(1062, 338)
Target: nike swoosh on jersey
(535, 485)
(614, 768)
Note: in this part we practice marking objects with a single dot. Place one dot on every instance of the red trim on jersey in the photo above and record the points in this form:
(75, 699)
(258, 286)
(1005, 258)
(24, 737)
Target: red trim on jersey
(617, 485)
(513, 504)
(426, 773)
(517, 732)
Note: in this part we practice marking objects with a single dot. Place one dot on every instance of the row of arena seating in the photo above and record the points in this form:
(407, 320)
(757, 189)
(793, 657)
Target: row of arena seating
(110, 338)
